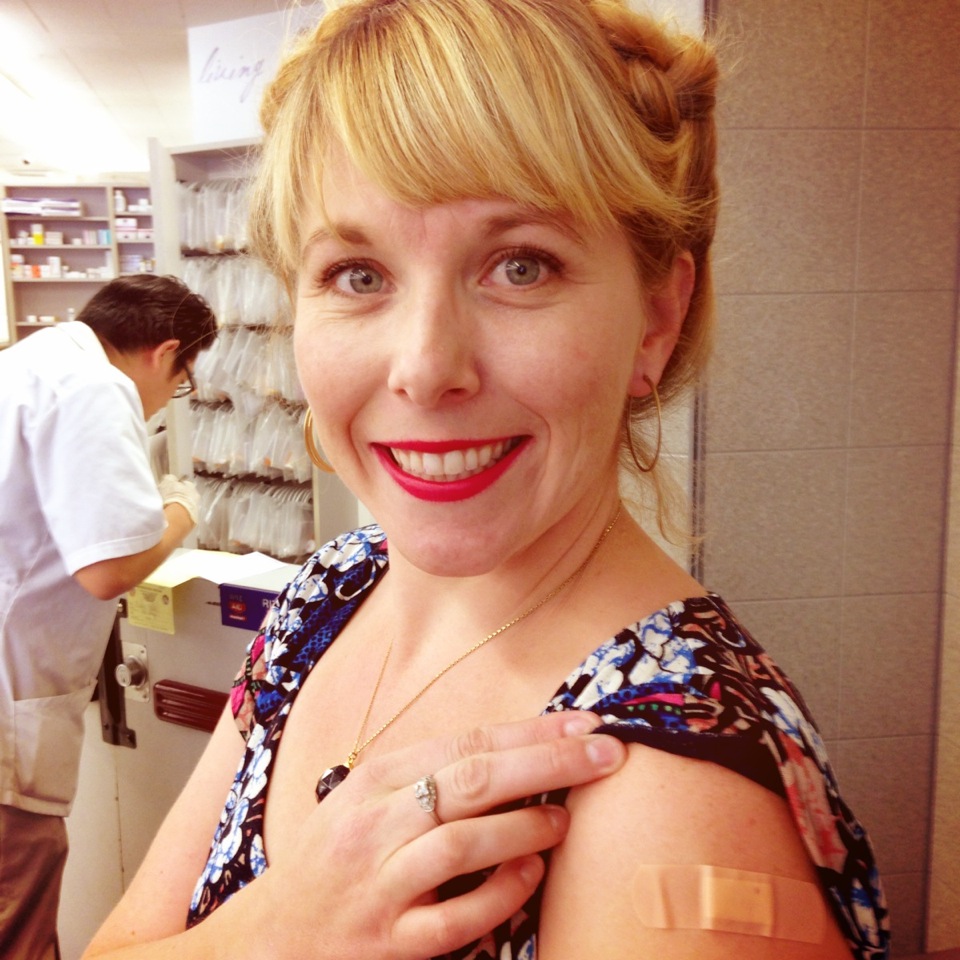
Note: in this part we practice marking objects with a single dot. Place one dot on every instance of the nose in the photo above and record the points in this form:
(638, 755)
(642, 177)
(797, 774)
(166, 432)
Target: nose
(435, 358)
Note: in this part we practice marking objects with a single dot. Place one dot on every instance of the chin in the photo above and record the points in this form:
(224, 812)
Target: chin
(449, 549)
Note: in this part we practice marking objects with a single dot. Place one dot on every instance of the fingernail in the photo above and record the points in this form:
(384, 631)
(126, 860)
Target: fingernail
(531, 869)
(606, 752)
(559, 818)
(580, 721)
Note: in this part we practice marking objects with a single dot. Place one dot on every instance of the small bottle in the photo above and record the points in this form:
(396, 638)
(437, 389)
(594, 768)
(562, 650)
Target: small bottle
(119, 202)
(71, 314)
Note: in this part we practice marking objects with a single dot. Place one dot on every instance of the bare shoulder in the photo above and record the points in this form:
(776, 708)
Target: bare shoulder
(661, 809)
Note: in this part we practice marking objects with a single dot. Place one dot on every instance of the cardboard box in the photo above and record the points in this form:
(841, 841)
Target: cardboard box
(248, 584)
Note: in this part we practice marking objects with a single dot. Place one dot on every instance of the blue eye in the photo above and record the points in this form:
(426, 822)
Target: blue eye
(363, 279)
(521, 271)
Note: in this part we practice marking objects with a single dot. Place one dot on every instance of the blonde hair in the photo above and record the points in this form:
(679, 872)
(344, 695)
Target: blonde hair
(575, 107)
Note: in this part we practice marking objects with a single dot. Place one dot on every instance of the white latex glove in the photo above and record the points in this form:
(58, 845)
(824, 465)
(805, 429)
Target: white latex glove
(184, 492)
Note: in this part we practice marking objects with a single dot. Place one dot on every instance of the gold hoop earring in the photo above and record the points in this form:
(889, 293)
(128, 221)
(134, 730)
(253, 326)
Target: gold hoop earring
(311, 444)
(629, 420)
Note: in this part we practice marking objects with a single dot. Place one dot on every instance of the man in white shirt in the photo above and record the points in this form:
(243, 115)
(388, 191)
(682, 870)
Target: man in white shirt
(82, 521)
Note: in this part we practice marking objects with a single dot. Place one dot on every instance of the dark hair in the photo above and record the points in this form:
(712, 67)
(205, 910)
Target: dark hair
(144, 310)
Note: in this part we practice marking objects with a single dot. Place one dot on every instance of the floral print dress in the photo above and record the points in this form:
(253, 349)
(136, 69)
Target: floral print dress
(687, 679)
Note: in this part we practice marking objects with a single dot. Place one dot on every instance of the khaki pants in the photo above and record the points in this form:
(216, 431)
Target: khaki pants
(33, 851)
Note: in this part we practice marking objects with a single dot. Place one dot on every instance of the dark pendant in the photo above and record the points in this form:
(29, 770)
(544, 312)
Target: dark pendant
(331, 778)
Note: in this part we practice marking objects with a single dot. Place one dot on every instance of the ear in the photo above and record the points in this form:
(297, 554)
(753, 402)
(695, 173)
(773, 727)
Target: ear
(666, 310)
(162, 353)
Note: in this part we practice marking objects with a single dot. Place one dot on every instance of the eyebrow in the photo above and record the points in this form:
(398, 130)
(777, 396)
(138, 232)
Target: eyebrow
(350, 234)
(532, 218)
(355, 235)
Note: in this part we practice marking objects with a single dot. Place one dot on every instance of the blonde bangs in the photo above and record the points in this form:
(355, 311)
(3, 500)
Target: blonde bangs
(431, 117)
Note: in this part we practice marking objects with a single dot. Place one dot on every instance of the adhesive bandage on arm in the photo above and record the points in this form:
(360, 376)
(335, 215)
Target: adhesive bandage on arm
(703, 897)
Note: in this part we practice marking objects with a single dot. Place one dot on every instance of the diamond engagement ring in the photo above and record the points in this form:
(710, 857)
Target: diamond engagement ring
(425, 790)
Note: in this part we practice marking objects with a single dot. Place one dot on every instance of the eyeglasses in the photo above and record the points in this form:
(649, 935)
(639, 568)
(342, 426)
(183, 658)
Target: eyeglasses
(185, 389)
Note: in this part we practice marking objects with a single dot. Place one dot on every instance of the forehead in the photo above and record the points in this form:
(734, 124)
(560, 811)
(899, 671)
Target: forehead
(348, 205)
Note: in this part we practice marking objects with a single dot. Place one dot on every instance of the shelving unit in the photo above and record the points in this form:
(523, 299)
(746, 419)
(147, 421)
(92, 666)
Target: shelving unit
(220, 243)
(168, 167)
(61, 243)
(134, 231)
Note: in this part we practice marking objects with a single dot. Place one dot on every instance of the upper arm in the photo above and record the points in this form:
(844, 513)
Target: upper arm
(664, 809)
(156, 903)
(89, 465)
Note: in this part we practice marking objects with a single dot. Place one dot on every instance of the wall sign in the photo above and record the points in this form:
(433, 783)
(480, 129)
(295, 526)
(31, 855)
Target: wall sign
(230, 63)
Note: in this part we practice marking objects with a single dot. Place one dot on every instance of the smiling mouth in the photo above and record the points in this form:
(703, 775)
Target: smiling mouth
(452, 465)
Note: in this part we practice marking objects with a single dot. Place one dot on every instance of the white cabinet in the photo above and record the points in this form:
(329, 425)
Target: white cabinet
(124, 794)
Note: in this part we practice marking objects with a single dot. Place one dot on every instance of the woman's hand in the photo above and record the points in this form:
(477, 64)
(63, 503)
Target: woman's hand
(379, 856)
(361, 880)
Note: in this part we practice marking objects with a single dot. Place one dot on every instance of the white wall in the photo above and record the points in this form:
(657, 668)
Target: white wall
(688, 13)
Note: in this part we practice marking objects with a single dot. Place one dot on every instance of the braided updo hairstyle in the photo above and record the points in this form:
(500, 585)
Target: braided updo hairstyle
(576, 107)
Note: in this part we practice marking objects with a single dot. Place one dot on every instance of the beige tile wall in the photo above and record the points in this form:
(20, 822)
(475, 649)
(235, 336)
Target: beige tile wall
(828, 406)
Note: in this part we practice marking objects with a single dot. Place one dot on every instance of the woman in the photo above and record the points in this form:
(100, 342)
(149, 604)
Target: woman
(495, 217)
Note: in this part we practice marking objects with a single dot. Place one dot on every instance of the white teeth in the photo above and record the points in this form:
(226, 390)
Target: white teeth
(453, 462)
(432, 465)
(453, 465)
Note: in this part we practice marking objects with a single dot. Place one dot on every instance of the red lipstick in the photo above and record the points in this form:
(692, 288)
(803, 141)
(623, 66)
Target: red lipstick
(445, 491)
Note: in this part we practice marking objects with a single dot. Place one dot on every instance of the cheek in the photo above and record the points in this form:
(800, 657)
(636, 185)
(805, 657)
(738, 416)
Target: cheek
(321, 357)
(581, 378)
(336, 373)
(307, 359)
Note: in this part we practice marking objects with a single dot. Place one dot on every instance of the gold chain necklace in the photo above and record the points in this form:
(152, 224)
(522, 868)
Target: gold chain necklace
(333, 776)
